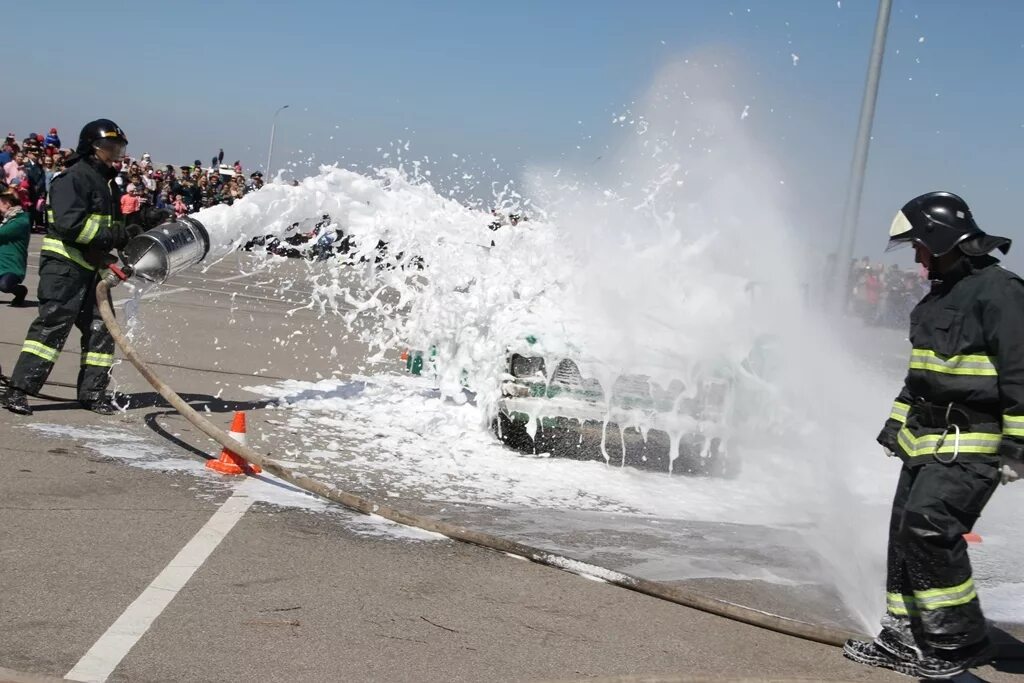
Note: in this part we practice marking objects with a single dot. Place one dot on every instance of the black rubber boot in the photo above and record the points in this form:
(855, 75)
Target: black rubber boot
(101, 406)
(19, 296)
(948, 663)
(870, 653)
(16, 401)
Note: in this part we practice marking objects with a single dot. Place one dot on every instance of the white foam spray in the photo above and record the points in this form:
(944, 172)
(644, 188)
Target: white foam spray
(676, 255)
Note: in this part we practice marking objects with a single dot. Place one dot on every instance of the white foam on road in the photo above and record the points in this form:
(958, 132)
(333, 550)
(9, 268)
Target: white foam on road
(142, 452)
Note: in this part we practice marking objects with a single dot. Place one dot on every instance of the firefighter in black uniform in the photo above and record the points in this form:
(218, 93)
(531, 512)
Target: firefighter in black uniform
(84, 225)
(958, 427)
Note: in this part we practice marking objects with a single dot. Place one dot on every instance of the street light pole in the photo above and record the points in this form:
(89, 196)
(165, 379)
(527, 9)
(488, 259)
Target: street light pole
(851, 211)
(273, 129)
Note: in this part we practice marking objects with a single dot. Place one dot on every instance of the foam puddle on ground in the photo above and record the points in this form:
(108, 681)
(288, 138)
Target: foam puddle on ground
(142, 452)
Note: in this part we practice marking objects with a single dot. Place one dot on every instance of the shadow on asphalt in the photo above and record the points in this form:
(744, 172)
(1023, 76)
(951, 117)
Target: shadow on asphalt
(151, 399)
(1011, 651)
(201, 402)
(153, 422)
(355, 388)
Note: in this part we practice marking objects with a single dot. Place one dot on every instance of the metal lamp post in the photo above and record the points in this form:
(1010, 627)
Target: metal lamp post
(851, 212)
(273, 129)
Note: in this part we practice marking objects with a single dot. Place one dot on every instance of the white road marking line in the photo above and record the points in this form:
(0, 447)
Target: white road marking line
(153, 295)
(228, 294)
(112, 647)
(242, 295)
(164, 292)
(234, 277)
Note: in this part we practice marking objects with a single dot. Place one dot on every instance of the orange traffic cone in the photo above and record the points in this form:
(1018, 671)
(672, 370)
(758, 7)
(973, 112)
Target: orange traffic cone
(231, 463)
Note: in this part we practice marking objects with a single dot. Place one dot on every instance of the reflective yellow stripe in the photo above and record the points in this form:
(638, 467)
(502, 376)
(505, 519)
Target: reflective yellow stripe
(946, 597)
(103, 360)
(55, 246)
(976, 365)
(49, 216)
(899, 411)
(1013, 425)
(902, 605)
(92, 226)
(47, 353)
(969, 442)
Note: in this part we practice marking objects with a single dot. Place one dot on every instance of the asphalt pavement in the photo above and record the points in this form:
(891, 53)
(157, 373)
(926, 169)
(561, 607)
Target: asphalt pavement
(122, 559)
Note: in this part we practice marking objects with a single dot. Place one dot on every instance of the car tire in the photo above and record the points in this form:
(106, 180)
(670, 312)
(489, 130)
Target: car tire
(513, 434)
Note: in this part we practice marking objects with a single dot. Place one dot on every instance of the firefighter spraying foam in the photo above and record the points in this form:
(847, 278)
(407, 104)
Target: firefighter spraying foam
(958, 427)
(84, 225)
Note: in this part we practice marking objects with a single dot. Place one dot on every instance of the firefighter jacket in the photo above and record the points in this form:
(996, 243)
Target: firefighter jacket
(84, 215)
(963, 398)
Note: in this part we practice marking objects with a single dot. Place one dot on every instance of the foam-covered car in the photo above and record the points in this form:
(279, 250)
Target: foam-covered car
(636, 420)
(559, 407)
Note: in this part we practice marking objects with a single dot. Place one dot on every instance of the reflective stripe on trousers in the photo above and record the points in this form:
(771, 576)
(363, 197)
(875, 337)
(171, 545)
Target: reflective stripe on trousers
(931, 599)
(36, 348)
(935, 598)
(100, 360)
(901, 605)
(67, 299)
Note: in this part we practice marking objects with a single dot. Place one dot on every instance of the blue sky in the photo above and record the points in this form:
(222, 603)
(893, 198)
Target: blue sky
(527, 82)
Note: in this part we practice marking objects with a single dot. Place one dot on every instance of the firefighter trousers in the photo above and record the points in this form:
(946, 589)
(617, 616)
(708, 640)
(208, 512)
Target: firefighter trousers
(67, 298)
(929, 584)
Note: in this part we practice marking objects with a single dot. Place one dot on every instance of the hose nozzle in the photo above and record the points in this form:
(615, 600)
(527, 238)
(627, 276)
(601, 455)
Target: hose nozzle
(114, 275)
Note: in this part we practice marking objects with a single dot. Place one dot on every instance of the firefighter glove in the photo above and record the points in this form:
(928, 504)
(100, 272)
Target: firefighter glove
(887, 437)
(150, 217)
(120, 234)
(124, 233)
(1012, 470)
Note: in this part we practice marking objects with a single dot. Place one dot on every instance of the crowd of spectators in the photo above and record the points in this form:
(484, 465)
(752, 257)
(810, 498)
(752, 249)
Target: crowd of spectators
(30, 165)
(884, 295)
(183, 189)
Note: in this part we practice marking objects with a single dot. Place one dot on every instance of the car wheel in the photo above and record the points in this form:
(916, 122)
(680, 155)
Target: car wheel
(512, 433)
